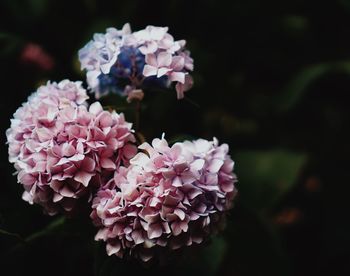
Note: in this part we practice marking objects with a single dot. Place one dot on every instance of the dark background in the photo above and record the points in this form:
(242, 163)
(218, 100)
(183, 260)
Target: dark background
(272, 80)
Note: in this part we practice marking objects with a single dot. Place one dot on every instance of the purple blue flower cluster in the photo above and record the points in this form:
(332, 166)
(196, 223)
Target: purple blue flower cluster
(120, 61)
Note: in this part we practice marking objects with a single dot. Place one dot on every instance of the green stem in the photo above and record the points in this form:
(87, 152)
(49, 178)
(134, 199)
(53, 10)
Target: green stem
(191, 102)
(137, 115)
(49, 228)
(15, 235)
(52, 226)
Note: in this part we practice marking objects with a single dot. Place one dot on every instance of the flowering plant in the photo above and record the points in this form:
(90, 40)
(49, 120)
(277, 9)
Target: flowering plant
(120, 61)
(70, 155)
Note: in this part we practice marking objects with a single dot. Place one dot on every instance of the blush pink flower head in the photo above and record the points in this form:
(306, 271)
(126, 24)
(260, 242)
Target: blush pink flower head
(168, 198)
(61, 148)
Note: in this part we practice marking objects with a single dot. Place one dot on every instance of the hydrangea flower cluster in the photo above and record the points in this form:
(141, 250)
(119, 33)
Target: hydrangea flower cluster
(168, 197)
(70, 155)
(122, 61)
(61, 148)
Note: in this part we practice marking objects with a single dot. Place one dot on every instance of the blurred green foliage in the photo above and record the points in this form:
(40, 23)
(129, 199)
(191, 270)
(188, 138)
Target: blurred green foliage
(268, 175)
(272, 80)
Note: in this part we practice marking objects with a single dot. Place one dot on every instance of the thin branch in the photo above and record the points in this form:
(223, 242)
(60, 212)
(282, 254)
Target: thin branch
(15, 235)
(53, 225)
(137, 115)
(191, 102)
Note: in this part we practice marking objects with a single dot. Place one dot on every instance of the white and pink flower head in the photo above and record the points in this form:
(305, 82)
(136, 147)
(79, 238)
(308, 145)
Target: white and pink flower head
(61, 148)
(168, 198)
(149, 58)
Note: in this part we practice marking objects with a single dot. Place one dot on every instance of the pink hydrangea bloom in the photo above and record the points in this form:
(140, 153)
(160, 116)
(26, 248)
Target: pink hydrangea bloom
(175, 66)
(120, 58)
(154, 38)
(168, 198)
(61, 148)
(101, 53)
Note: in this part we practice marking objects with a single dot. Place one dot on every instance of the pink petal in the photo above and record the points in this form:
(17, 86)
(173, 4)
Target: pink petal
(27, 197)
(43, 134)
(77, 157)
(154, 231)
(212, 179)
(227, 187)
(101, 234)
(178, 63)
(129, 151)
(181, 214)
(193, 193)
(66, 192)
(171, 201)
(26, 179)
(154, 201)
(181, 88)
(56, 185)
(95, 108)
(149, 48)
(164, 59)
(140, 159)
(105, 120)
(160, 144)
(177, 76)
(215, 165)
(137, 237)
(88, 164)
(187, 177)
(67, 150)
(151, 60)
(166, 43)
(108, 164)
(179, 226)
(149, 70)
(112, 249)
(177, 182)
(197, 165)
(83, 177)
(62, 161)
(57, 197)
(158, 33)
(162, 71)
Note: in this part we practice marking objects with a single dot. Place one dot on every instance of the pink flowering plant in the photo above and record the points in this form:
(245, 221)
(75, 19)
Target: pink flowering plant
(75, 157)
(169, 197)
(61, 148)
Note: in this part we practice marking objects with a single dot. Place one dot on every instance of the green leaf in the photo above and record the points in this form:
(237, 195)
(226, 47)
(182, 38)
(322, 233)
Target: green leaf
(295, 23)
(266, 176)
(297, 87)
(50, 228)
(9, 43)
(345, 4)
(53, 226)
(27, 9)
(213, 255)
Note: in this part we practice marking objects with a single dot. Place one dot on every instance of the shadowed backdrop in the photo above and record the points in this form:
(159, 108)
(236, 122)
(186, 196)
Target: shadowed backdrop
(272, 80)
